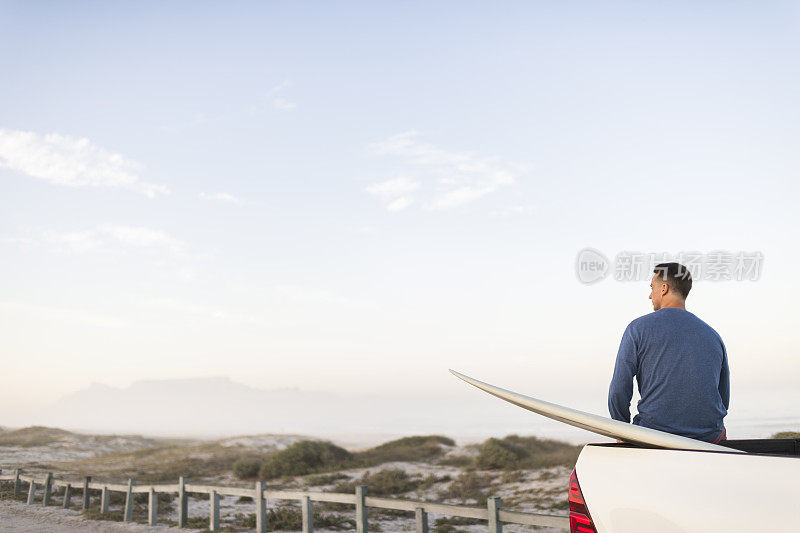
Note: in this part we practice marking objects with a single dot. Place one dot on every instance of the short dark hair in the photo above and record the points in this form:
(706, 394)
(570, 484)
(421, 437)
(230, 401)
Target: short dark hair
(677, 277)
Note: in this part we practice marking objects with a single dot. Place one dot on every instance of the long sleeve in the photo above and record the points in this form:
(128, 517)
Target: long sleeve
(621, 390)
(725, 380)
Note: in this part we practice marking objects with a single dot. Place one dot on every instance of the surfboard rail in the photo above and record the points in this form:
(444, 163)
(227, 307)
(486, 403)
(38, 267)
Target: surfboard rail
(595, 423)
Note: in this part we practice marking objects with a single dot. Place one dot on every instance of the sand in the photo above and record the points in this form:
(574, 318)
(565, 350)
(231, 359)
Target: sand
(18, 517)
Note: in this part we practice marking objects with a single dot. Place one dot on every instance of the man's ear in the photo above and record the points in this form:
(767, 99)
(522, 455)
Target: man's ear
(664, 289)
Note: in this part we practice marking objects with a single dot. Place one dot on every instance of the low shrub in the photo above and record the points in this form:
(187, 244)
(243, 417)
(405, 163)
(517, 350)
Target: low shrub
(430, 480)
(304, 457)
(34, 436)
(516, 453)
(284, 518)
(459, 461)
(448, 524)
(291, 519)
(244, 520)
(389, 481)
(7, 491)
(197, 522)
(246, 468)
(324, 479)
(786, 435)
(382, 483)
(168, 463)
(417, 448)
(515, 476)
(469, 487)
(316, 457)
(496, 453)
(334, 521)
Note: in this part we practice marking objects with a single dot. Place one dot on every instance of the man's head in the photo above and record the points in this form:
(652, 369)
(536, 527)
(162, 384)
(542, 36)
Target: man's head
(670, 285)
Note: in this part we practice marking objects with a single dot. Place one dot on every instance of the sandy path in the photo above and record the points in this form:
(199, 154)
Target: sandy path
(18, 517)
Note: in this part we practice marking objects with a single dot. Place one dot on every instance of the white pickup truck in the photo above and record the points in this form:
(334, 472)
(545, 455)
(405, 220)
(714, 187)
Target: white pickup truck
(624, 488)
(655, 482)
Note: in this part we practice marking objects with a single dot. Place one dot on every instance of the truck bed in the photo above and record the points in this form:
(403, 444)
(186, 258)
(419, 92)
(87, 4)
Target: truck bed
(766, 446)
(782, 447)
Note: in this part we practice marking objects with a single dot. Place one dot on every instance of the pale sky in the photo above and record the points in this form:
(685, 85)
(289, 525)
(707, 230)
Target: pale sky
(354, 197)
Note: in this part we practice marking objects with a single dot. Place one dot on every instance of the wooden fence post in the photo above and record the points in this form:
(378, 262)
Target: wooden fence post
(128, 516)
(104, 500)
(421, 519)
(86, 481)
(31, 491)
(16, 482)
(261, 509)
(213, 516)
(152, 503)
(67, 496)
(361, 509)
(183, 503)
(307, 508)
(48, 487)
(495, 526)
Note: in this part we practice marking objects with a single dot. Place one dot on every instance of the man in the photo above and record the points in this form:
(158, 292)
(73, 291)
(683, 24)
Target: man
(679, 362)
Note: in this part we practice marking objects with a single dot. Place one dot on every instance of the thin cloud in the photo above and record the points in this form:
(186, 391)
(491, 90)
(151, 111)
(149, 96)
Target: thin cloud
(278, 100)
(220, 196)
(461, 195)
(134, 236)
(143, 237)
(395, 192)
(400, 204)
(450, 178)
(21, 241)
(81, 241)
(393, 187)
(70, 161)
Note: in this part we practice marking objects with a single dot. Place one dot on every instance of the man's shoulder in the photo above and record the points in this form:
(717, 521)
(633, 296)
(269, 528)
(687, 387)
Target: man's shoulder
(704, 325)
(638, 328)
(666, 317)
(643, 321)
(670, 317)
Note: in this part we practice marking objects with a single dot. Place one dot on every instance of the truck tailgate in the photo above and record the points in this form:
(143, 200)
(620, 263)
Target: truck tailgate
(632, 490)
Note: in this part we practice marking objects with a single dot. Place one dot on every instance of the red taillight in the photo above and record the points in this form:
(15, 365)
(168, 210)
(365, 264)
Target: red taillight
(579, 519)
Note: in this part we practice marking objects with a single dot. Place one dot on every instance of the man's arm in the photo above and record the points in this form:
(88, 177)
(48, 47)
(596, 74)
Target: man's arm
(725, 380)
(621, 389)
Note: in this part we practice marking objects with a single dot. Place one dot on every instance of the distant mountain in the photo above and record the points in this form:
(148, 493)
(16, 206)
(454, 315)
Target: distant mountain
(203, 406)
(220, 407)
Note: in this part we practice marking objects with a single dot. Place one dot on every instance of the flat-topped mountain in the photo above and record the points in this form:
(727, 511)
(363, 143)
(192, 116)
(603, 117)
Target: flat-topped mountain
(194, 407)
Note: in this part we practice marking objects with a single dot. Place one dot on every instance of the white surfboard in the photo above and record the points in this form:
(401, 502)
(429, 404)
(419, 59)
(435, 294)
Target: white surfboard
(597, 424)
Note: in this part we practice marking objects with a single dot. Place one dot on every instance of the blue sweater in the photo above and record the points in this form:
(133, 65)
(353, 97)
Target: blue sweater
(681, 368)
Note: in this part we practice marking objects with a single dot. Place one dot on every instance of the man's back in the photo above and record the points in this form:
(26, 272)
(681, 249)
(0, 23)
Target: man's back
(681, 368)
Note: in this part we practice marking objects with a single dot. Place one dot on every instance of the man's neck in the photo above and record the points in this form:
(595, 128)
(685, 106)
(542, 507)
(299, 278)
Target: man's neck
(674, 305)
